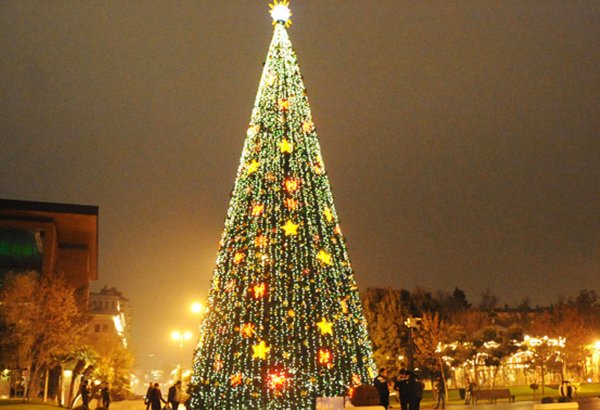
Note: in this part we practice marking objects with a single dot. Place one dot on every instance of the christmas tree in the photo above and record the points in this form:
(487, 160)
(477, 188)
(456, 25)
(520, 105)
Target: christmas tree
(285, 322)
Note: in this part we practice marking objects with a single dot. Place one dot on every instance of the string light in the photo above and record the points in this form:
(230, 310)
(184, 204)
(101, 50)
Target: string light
(284, 309)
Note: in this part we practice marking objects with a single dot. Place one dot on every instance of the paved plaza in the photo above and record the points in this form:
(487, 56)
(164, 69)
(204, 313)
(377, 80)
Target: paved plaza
(592, 403)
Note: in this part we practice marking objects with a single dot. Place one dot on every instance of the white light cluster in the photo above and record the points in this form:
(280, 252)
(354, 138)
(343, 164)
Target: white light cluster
(281, 12)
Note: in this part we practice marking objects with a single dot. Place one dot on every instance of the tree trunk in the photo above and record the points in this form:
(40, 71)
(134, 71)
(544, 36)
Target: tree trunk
(543, 383)
(46, 384)
(33, 380)
(443, 376)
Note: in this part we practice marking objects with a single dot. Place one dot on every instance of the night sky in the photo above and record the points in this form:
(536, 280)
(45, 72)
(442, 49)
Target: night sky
(462, 138)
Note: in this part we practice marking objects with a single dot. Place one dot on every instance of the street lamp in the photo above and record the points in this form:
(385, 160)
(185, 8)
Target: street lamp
(411, 323)
(180, 337)
(196, 307)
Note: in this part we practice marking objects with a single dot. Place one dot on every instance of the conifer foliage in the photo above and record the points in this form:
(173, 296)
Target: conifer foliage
(285, 322)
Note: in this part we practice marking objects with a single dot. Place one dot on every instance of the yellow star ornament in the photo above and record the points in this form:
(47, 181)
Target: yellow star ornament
(286, 147)
(260, 350)
(253, 167)
(325, 327)
(328, 215)
(290, 228)
(324, 257)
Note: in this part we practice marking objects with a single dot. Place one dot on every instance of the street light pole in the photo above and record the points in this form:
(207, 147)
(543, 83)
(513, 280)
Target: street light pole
(411, 323)
(180, 337)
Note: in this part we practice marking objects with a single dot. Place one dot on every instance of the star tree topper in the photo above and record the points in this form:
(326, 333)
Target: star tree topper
(280, 12)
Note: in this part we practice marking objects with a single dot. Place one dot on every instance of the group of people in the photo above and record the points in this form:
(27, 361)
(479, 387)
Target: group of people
(86, 393)
(408, 387)
(154, 398)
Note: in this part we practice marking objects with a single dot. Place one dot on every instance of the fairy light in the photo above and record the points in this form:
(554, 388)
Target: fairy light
(284, 309)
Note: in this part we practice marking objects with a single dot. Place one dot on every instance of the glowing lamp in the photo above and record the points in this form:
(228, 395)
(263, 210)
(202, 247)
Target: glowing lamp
(196, 307)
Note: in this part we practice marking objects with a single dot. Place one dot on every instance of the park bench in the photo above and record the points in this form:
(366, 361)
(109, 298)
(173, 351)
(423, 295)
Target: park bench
(492, 395)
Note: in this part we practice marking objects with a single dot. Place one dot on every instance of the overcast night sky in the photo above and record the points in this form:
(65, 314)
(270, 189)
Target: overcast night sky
(462, 138)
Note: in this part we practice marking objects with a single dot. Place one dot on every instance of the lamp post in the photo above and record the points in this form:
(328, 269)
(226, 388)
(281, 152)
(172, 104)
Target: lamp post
(180, 337)
(411, 323)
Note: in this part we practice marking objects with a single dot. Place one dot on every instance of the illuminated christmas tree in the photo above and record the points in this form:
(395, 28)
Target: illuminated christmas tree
(285, 322)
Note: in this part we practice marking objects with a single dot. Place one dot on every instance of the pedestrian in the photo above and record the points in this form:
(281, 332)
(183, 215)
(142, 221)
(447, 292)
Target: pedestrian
(415, 389)
(441, 393)
(148, 393)
(469, 387)
(105, 396)
(85, 392)
(174, 396)
(381, 384)
(401, 387)
(156, 398)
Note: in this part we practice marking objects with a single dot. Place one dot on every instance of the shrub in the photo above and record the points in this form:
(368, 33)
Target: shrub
(547, 399)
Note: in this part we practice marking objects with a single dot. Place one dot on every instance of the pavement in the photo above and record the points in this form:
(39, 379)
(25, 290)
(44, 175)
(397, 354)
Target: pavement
(591, 403)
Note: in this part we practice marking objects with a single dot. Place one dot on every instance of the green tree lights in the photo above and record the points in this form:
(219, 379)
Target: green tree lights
(285, 323)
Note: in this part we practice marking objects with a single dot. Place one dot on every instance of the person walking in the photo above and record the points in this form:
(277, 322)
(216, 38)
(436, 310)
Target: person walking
(105, 396)
(469, 387)
(174, 396)
(148, 393)
(85, 392)
(441, 392)
(381, 384)
(156, 398)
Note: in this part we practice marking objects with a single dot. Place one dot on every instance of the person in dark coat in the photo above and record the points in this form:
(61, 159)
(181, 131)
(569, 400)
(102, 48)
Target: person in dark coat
(86, 393)
(441, 393)
(105, 395)
(414, 389)
(381, 384)
(156, 398)
(174, 396)
(401, 386)
(148, 393)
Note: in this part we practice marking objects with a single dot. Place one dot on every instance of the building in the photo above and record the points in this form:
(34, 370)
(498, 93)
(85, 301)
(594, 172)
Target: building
(110, 313)
(50, 238)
